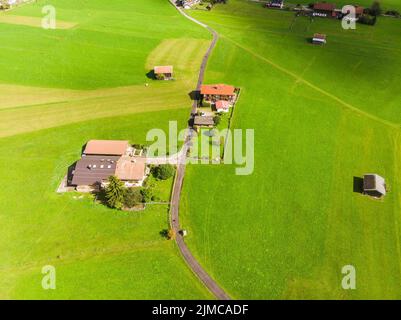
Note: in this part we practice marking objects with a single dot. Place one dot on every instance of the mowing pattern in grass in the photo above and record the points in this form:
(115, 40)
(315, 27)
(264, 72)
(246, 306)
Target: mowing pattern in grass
(322, 116)
(60, 88)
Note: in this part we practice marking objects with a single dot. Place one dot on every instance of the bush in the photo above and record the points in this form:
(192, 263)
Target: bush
(163, 172)
(132, 197)
(171, 234)
(147, 194)
(393, 13)
(217, 120)
(367, 19)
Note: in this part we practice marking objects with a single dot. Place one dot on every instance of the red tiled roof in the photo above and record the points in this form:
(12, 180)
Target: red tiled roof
(319, 36)
(163, 69)
(359, 10)
(218, 89)
(129, 168)
(324, 6)
(106, 147)
(221, 104)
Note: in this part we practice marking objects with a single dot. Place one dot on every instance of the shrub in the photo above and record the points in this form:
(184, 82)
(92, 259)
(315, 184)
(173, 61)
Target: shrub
(171, 234)
(393, 13)
(163, 172)
(132, 197)
(147, 194)
(367, 19)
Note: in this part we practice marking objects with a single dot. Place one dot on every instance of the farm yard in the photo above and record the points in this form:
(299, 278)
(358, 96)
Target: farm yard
(322, 116)
(59, 89)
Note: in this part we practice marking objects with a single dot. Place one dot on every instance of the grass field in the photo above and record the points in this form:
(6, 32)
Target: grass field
(60, 88)
(322, 116)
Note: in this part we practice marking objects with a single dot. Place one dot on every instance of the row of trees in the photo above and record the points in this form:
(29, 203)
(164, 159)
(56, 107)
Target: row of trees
(117, 196)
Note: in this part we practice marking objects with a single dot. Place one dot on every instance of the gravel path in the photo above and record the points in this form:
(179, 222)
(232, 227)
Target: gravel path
(175, 199)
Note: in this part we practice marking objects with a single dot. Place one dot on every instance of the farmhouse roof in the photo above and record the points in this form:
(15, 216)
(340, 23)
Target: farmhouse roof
(218, 89)
(374, 182)
(319, 36)
(163, 69)
(130, 168)
(359, 9)
(106, 147)
(93, 169)
(222, 104)
(324, 6)
(203, 121)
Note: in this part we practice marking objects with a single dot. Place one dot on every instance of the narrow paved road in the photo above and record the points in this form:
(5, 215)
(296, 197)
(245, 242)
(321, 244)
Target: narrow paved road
(175, 199)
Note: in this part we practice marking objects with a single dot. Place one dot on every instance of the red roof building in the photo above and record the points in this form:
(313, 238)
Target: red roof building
(217, 92)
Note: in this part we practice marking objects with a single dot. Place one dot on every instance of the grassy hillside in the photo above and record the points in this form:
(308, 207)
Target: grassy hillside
(322, 116)
(60, 88)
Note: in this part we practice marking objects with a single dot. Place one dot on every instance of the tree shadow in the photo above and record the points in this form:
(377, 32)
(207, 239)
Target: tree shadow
(194, 95)
(101, 196)
(164, 233)
(151, 75)
(358, 185)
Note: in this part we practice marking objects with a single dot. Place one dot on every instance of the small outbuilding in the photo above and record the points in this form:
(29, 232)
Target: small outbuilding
(319, 38)
(203, 121)
(374, 185)
(324, 9)
(275, 4)
(163, 72)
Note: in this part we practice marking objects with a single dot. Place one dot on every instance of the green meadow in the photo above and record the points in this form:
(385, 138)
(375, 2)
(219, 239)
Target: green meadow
(322, 116)
(60, 88)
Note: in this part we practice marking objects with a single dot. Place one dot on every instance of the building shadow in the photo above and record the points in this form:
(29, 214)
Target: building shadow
(70, 171)
(358, 185)
(151, 75)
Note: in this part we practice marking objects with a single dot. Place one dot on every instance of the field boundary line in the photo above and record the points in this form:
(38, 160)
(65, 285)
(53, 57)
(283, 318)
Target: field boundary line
(311, 85)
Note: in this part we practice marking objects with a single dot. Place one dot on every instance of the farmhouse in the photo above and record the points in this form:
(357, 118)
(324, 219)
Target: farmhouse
(275, 4)
(222, 106)
(104, 158)
(163, 72)
(131, 170)
(215, 92)
(323, 9)
(374, 185)
(203, 121)
(319, 38)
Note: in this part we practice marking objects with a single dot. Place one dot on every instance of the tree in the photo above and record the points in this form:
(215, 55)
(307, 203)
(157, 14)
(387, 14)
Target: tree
(163, 172)
(217, 120)
(171, 234)
(132, 197)
(115, 192)
(375, 9)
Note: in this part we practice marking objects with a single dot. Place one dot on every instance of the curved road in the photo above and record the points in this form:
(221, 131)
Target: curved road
(176, 195)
